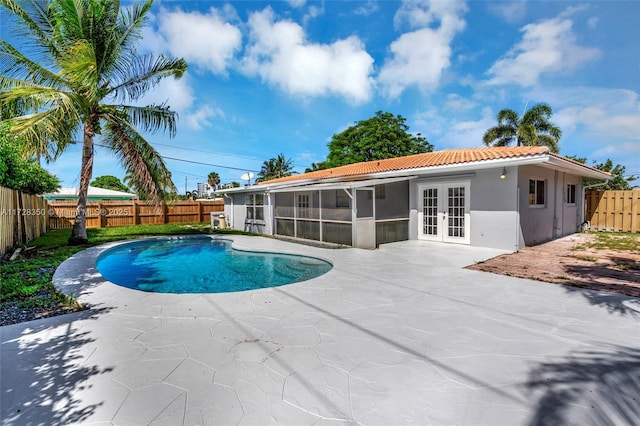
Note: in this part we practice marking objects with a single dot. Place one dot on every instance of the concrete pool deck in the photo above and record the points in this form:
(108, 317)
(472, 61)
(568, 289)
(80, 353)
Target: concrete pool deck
(400, 335)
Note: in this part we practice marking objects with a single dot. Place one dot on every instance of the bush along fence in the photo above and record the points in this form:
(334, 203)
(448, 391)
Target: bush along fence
(613, 210)
(61, 214)
(23, 218)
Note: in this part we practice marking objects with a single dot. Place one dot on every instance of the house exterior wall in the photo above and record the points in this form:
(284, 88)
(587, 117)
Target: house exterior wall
(494, 218)
(499, 212)
(236, 212)
(557, 217)
(493, 208)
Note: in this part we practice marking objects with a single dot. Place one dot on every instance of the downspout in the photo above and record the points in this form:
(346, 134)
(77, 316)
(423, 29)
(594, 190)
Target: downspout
(231, 215)
(554, 232)
(271, 213)
(583, 199)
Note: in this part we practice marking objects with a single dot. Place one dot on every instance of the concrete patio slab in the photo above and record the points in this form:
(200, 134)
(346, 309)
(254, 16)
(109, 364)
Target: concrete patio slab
(400, 335)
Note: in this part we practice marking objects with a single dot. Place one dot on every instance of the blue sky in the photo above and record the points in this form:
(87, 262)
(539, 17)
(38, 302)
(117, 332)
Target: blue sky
(282, 77)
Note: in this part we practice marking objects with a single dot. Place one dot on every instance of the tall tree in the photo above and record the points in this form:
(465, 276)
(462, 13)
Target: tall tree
(532, 129)
(275, 168)
(19, 173)
(213, 179)
(82, 63)
(620, 180)
(109, 182)
(379, 137)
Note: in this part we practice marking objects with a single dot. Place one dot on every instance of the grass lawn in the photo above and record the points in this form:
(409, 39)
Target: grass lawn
(26, 289)
(622, 241)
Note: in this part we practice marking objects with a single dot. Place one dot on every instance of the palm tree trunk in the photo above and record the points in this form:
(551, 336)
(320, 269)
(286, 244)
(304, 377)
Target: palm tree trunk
(79, 231)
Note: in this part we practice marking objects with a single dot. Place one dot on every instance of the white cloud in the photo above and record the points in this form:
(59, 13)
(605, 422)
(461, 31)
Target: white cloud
(313, 12)
(421, 56)
(180, 97)
(449, 131)
(547, 47)
(280, 54)
(457, 103)
(468, 133)
(606, 113)
(366, 8)
(178, 94)
(207, 40)
(511, 12)
(202, 117)
(296, 3)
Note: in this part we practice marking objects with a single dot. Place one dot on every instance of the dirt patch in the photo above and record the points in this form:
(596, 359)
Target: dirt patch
(570, 261)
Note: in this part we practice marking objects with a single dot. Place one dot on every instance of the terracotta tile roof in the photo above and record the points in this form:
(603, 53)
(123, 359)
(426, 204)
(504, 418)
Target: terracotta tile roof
(417, 161)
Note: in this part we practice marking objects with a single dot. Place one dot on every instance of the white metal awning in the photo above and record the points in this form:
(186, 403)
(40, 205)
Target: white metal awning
(341, 185)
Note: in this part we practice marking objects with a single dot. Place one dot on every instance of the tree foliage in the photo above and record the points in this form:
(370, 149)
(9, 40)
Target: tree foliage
(619, 179)
(109, 182)
(376, 138)
(79, 76)
(17, 172)
(532, 129)
(275, 168)
(213, 179)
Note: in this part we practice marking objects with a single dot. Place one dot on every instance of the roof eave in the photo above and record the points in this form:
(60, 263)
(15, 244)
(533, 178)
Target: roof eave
(578, 169)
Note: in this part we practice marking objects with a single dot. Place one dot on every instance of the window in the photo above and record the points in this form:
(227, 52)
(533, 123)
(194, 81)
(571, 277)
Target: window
(304, 210)
(342, 199)
(255, 206)
(380, 192)
(537, 190)
(571, 194)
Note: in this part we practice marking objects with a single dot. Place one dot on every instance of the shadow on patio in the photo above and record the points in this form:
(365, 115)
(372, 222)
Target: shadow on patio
(600, 387)
(43, 368)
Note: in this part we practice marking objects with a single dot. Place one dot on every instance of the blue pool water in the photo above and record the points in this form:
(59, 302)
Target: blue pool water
(202, 265)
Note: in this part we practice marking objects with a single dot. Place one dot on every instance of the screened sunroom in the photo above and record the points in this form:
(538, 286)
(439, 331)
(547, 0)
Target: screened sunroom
(361, 214)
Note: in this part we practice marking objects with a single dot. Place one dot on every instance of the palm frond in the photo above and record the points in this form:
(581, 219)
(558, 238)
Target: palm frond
(141, 73)
(43, 132)
(151, 118)
(15, 64)
(80, 68)
(508, 117)
(130, 24)
(539, 113)
(34, 19)
(527, 135)
(503, 133)
(549, 141)
(148, 172)
(34, 97)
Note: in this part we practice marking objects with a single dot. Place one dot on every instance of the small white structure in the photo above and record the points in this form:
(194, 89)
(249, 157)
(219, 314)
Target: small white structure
(93, 194)
(504, 198)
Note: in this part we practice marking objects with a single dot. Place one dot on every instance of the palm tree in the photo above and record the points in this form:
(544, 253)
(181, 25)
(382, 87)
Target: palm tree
(213, 179)
(275, 168)
(532, 129)
(82, 63)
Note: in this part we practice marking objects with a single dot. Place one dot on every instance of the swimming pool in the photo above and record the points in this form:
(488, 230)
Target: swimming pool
(202, 265)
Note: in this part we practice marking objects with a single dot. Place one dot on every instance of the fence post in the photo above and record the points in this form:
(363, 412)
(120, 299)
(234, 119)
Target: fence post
(165, 211)
(136, 218)
(199, 211)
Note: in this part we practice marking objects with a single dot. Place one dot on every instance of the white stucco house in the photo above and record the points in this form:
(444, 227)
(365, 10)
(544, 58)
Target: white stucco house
(504, 198)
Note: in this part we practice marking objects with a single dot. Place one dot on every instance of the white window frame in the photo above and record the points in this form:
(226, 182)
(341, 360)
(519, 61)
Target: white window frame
(536, 205)
(570, 201)
(253, 206)
(303, 205)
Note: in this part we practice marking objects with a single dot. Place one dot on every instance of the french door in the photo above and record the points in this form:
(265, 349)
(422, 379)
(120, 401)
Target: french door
(443, 212)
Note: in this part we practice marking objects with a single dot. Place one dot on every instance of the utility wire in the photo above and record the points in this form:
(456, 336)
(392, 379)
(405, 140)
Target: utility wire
(195, 162)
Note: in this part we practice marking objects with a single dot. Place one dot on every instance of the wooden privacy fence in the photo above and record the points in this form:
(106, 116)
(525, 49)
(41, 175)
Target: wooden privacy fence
(23, 218)
(613, 210)
(122, 213)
